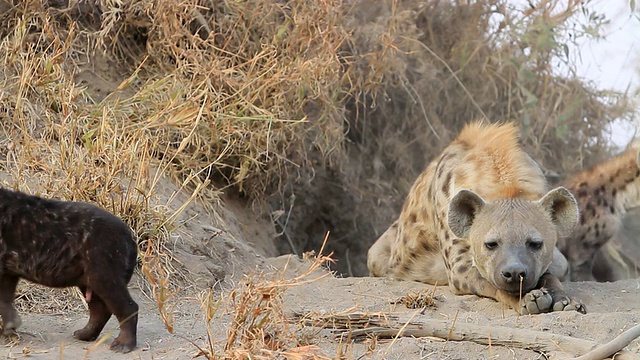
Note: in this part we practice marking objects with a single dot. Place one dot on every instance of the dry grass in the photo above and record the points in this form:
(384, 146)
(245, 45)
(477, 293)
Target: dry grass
(251, 79)
(54, 144)
(37, 299)
(260, 326)
(418, 299)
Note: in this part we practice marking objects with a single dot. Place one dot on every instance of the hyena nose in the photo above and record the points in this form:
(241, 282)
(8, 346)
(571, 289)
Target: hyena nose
(514, 272)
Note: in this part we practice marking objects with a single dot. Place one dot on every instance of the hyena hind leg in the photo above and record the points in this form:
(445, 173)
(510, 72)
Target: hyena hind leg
(119, 302)
(99, 315)
(10, 318)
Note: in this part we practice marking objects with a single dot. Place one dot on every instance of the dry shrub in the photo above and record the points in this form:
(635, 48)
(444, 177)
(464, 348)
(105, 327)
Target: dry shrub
(55, 145)
(260, 326)
(253, 69)
(234, 104)
(81, 153)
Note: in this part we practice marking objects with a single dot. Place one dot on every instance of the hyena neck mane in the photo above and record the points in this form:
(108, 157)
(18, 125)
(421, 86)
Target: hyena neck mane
(497, 168)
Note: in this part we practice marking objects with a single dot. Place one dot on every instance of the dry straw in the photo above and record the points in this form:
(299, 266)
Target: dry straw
(260, 325)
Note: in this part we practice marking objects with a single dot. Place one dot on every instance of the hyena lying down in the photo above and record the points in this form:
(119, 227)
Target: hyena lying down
(479, 218)
(60, 244)
(604, 193)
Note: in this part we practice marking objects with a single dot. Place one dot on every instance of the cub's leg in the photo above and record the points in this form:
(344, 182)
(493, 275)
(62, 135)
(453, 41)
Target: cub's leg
(10, 318)
(118, 301)
(99, 315)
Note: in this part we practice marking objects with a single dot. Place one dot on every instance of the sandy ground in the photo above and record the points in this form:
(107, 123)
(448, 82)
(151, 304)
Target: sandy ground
(49, 336)
(613, 308)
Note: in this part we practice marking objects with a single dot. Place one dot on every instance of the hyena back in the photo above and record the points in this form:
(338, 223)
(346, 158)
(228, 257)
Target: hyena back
(604, 193)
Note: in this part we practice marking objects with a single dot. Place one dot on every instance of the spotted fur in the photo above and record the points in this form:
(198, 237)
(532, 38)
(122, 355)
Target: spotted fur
(604, 194)
(479, 218)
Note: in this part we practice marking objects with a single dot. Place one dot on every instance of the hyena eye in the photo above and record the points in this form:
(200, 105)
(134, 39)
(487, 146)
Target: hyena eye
(491, 245)
(534, 244)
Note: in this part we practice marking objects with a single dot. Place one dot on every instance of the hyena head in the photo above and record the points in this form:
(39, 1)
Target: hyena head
(512, 240)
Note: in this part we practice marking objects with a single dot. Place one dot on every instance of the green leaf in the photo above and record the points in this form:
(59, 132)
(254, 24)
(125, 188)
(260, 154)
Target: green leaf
(562, 130)
(530, 98)
(87, 139)
(282, 31)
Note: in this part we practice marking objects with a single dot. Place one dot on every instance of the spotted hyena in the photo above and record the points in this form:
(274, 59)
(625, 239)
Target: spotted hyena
(604, 194)
(479, 218)
(60, 244)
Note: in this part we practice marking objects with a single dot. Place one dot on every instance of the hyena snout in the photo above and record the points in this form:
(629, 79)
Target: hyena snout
(513, 272)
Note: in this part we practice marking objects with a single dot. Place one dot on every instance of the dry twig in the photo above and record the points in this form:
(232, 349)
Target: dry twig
(613, 346)
(360, 325)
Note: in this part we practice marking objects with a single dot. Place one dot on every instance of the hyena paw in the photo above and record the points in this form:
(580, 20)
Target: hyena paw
(122, 344)
(86, 334)
(564, 303)
(541, 301)
(10, 326)
(536, 302)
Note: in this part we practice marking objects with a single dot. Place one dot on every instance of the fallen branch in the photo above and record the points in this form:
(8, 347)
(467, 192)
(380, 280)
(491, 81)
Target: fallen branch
(358, 325)
(612, 346)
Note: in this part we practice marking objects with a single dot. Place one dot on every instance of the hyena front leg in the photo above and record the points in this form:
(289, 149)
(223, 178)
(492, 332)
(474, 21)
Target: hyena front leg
(465, 279)
(550, 290)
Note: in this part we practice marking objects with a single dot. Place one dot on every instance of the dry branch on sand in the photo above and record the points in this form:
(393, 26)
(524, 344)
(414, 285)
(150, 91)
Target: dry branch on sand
(359, 325)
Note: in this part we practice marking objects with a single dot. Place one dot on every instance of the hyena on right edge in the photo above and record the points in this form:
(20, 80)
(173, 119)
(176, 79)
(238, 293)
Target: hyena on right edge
(604, 194)
(63, 243)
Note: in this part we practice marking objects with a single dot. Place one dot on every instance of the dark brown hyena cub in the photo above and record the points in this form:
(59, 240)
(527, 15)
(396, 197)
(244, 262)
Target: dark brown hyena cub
(64, 243)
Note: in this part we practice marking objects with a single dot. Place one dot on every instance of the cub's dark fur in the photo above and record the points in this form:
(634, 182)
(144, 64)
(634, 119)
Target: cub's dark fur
(64, 243)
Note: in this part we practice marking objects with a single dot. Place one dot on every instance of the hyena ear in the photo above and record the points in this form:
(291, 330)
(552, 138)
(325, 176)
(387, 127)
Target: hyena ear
(562, 207)
(463, 209)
